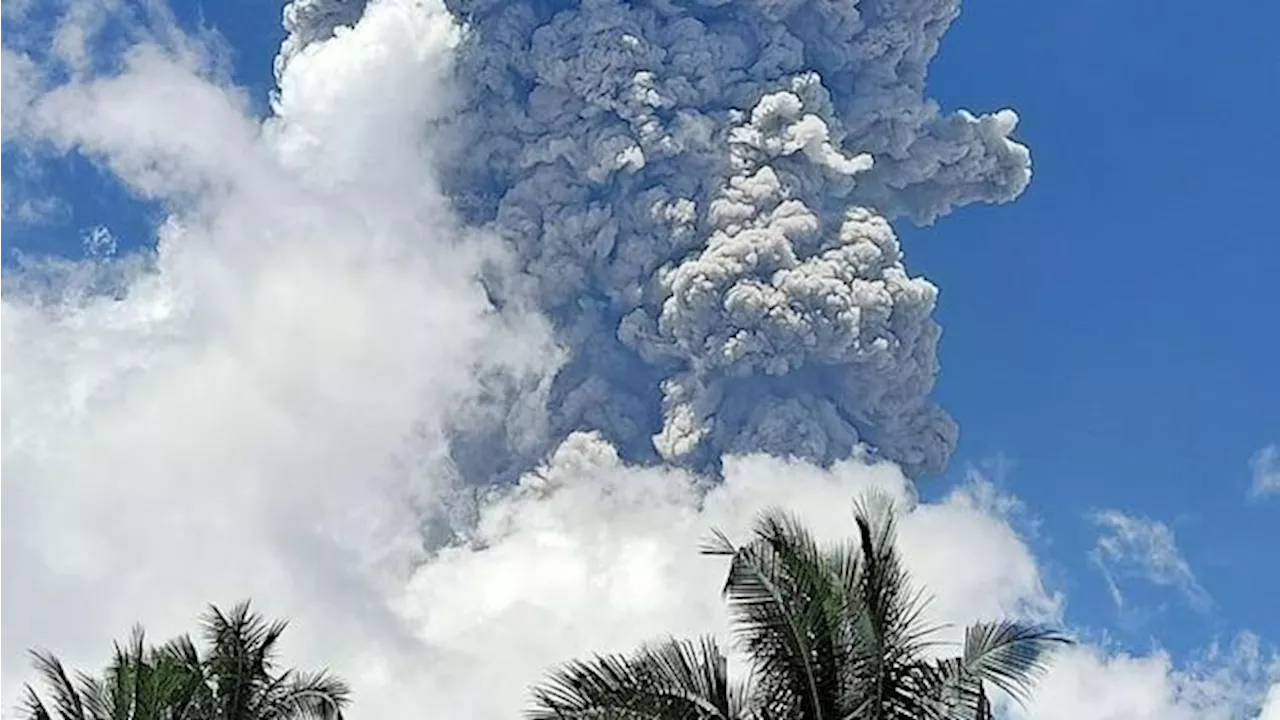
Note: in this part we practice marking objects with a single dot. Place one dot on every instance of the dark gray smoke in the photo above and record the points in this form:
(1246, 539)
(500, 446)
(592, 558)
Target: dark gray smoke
(699, 191)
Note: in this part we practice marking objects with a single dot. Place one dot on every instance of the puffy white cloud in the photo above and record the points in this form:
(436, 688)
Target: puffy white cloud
(1147, 548)
(307, 22)
(1271, 704)
(589, 554)
(257, 408)
(1089, 683)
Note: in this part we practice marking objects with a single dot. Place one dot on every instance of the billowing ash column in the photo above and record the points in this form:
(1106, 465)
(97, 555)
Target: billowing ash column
(699, 193)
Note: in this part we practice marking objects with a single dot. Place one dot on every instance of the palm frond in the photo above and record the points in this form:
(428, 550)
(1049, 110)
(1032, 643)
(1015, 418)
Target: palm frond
(32, 707)
(133, 663)
(892, 607)
(786, 602)
(180, 651)
(944, 691)
(66, 697)
(832, 632)
(302, 696)
(673, 680)
(241, 656)
(885, 617)
(1008, 654)
(191, 693)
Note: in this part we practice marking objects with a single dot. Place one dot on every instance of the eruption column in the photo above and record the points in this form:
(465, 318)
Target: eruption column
(698, 193)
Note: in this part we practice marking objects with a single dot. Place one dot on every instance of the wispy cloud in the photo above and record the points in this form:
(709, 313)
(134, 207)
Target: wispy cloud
(1131, 545)
(1265, 465)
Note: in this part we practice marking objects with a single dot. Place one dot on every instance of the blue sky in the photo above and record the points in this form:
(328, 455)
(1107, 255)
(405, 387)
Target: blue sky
(1113, 331)
(1110, 339)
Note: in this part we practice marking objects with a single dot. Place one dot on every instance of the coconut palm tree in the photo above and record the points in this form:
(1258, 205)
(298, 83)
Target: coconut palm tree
(141, 683)
(241, 678)
(832, 633)
(236, 679)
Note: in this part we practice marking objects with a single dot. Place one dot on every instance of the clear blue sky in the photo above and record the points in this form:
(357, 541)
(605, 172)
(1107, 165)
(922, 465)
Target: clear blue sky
(1113, 332)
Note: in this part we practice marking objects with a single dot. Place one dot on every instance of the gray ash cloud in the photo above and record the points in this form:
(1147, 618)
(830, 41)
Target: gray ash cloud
(698, 194)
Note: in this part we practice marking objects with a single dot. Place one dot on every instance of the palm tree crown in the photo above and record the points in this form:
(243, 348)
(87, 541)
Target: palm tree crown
(833, 633)
(236, 679)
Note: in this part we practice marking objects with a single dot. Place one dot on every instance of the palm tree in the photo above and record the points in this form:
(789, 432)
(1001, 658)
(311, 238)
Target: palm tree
(236, 679)
(141, 683)
(832, 633)
(241, 678)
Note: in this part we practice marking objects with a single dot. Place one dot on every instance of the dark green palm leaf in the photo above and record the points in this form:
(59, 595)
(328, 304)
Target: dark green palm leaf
(674, 680)
(1008, 654)
(66, 697)
(885, 616)
(787, 603)
(241, 657)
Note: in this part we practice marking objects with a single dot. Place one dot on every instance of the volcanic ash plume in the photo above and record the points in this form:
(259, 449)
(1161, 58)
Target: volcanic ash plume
(699, 193)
